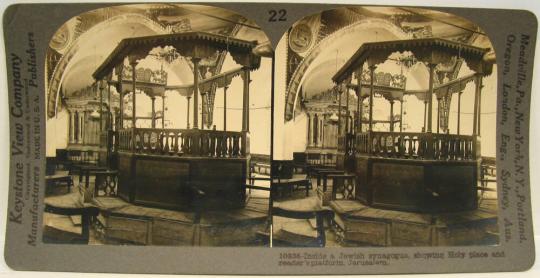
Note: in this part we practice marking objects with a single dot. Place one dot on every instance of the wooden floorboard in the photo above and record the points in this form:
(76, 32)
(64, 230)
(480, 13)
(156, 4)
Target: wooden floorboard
(354, 209)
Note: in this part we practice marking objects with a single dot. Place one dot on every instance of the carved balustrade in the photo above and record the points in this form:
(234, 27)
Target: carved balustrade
(409, 145)
(184, 142)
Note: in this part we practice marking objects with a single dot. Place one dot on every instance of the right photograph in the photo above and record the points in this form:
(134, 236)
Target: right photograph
(384, 131)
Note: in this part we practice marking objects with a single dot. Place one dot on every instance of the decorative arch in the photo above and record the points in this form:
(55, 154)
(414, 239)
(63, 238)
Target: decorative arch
(57, 77)
(299, 74)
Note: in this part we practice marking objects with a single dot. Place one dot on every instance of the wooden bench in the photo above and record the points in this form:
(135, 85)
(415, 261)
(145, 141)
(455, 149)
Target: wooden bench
(282, 185)
(280, 239)
(68, 205)
(53, 180)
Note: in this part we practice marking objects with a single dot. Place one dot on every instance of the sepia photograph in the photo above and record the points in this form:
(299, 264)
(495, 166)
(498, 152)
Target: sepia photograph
(384, 130)
(261, 138)
(158, 121)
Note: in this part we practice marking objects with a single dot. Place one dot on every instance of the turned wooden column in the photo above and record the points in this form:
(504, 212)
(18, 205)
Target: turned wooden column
(430, 97)
(322, 129)
(248, 110)
(313, 128)
(428, 144)
(245, 100)
(392, 115)
(475, 109)
(195, 62)
(133, 64)
(459, 113)
(75, 126)
(347, 111)
(316, 130)
(109, 108)
(225, 108)
(478, 83)
(339, 112)
(309, 129)
(187, 124)
(401, 116)
(163, 111)
(153, 98)
(203, 110)
(121, 92)
(81, 127)
(101, 89)
(371, 92)
(425, 113)
(71, 126)
(480, 112)
(438, 114)
(113, 120)
(359, 105)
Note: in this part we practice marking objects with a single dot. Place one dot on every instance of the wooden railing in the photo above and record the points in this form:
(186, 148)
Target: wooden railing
(410, 145)
(184, 142)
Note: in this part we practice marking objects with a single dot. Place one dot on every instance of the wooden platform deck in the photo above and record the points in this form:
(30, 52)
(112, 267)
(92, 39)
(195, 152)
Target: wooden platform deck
(120, 222)
(357, 224)
(127, 223)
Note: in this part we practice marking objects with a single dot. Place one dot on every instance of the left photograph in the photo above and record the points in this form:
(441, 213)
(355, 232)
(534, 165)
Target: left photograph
(158, 123)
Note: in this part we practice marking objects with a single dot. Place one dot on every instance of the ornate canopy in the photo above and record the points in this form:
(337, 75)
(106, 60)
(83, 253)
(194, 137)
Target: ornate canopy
(427, 50)
(199, 45)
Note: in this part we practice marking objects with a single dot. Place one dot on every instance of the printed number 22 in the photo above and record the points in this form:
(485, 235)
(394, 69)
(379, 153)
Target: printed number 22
(279, 15)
